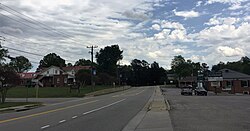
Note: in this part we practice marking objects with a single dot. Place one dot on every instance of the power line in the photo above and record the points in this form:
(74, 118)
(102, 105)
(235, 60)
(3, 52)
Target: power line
(29, 52)
(31, 61)
(33, 21)
(31, 47)
(22, 51)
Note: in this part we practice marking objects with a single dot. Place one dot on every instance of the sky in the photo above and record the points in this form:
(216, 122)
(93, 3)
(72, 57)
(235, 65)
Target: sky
(207, 31)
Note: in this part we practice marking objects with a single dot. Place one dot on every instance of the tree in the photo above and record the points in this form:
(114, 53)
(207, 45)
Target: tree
(20, 64)
(105, 79)
(69, 64)
(180, 66)
(8, 79)
(3, 53)
(107, 59)
(83, 77)
(52, 59)
(83, 62)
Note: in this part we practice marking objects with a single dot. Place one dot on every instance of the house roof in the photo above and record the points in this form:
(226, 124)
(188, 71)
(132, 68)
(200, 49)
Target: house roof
(28, 75)
(231, 74)
(45, 69)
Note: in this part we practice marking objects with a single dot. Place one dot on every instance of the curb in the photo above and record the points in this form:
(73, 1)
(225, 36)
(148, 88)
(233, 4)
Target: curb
(20, 108)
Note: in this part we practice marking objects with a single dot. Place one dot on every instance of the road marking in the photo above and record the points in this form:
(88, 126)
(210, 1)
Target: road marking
(97, 109)
(45, 126)
(46, 112)
(139, 92)
(70, 101)
(74, 117)
(125, 93)
(62, 121)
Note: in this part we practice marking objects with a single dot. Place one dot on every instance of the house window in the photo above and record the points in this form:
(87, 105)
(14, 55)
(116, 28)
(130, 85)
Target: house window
(58, 80)
(47, 72)
(229, 84)
(244, 83)
(55, 71)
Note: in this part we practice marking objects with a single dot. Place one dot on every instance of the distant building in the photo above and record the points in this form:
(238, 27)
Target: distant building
(53, 76)
(188, 81)
(233, 82)
(26, 78)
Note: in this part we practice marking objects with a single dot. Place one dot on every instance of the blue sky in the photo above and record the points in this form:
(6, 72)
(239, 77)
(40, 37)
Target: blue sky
(207, 31)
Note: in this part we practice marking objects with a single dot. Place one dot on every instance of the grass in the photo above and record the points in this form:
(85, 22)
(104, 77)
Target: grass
(12, 104)
(51, 92)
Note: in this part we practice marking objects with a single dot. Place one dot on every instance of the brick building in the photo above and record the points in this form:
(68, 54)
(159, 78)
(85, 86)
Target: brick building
(233, 82)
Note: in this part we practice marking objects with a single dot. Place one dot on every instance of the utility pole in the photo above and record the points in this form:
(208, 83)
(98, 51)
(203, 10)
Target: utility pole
(92, 58)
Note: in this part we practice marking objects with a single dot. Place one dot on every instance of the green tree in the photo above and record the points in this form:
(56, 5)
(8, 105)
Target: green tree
(69, 64)
(3, 53)
(107, 59)
(83, 77)
(8, 78)
(83, 62)
(20, 64)
(52, 59)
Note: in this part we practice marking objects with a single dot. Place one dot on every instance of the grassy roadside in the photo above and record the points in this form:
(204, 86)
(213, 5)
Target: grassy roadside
(51, 92)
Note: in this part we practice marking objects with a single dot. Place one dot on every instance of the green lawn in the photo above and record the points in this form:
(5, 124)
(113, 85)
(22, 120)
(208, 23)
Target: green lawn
(50, 92)
(12, 104)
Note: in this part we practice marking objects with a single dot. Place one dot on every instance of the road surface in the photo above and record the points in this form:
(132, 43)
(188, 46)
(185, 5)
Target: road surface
(208, 113)
(103, 113)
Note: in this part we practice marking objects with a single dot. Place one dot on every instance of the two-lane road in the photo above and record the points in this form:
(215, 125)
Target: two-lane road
(103, 113)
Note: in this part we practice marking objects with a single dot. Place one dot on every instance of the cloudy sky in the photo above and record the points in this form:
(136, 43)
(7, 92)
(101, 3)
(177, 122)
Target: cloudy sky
(155, 30)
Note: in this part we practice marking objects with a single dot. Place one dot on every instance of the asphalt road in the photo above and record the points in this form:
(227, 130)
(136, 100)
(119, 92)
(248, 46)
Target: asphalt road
(208, 113)
(103, 113)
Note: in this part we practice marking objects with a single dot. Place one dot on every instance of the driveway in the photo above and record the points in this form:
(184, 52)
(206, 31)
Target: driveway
(208, 113)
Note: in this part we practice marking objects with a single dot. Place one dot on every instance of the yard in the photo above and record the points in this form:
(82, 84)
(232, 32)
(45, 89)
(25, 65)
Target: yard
(51, 92)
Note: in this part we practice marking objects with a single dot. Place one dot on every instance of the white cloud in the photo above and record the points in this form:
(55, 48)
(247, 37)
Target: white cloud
(219, 21)
(172, 31)
(156, 27)
(179, 51)
(235, 6)
(162, 35)
(178, 35)
(155, 54)
(132, 14)
(225, 1)
(229, 51)
(172, 25)
(199, 3)
(187, 14)
(197, 58)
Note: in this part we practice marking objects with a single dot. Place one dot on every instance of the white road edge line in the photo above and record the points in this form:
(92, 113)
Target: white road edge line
(62, 121)
(74, 117)
(97, 109)
(45, 126)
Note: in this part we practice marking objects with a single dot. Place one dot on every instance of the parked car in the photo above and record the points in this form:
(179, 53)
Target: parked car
(186, 91)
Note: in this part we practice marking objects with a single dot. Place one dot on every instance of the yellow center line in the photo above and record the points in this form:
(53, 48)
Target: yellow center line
(45, 112)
